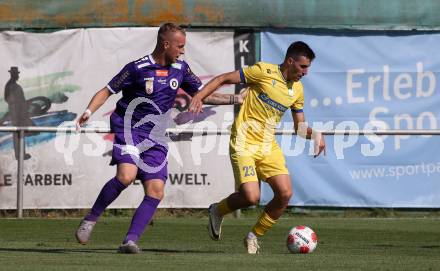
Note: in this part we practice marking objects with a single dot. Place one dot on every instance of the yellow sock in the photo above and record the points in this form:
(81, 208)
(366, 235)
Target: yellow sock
(264, 223)
(223, 208)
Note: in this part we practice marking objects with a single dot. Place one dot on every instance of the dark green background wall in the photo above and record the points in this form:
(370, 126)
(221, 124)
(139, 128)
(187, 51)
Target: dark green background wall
(331, 14)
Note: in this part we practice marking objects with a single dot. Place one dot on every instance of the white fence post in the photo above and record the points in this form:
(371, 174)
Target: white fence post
(20, 165)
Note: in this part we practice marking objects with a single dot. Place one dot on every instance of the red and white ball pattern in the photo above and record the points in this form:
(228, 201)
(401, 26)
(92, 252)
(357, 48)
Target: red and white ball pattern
(302, 239)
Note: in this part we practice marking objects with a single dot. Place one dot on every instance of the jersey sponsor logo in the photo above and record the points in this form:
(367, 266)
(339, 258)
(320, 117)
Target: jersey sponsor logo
(161, 72)
(290, 91)
(272, 103)
(162, 81)
(273, 82)
(174, 83)
(149, 85)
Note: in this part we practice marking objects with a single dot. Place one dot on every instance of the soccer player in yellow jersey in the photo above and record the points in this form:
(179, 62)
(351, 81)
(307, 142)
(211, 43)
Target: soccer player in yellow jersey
(254, 152)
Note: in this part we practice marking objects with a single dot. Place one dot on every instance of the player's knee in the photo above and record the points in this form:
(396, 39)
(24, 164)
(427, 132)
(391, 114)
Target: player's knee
(252, 198)
(154, 190)
(125, 177)
(285, 196)
(157, 194)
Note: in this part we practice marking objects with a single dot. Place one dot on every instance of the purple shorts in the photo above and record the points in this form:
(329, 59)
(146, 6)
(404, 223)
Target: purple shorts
(152, 162)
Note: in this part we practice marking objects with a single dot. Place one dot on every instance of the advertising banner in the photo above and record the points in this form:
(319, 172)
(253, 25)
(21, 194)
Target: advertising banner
(365, 81)
(49, 78)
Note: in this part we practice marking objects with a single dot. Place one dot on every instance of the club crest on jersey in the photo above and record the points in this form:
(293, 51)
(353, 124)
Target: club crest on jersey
(161, 73)
(273, 82)
(174, 83)
(149, 84)
(290, 91)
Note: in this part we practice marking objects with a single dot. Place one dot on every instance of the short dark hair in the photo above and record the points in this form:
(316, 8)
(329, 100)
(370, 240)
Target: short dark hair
(168, 27)
(300, 48)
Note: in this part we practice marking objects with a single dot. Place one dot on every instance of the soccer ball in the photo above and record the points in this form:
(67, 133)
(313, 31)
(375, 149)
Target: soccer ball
(302, 239)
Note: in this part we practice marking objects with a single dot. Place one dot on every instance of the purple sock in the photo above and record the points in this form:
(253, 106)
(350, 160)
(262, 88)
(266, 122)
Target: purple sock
(108, 194)
(141, 218)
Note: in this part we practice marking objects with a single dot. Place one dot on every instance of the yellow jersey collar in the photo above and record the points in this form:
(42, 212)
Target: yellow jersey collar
(282, 76)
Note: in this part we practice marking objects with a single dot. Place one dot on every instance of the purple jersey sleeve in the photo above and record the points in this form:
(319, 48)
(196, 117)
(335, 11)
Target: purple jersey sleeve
(191, 82)
(124, 79)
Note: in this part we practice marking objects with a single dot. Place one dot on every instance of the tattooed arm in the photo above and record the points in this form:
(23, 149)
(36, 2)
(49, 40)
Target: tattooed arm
(219, 98)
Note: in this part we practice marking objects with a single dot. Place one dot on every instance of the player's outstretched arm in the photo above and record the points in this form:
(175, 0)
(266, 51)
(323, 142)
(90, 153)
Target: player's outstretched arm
(95, 103)
(221, 99)
(302, 130)
(213, 85)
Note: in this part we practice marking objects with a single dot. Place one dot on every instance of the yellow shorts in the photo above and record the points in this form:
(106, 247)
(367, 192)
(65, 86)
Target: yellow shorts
(258, 166)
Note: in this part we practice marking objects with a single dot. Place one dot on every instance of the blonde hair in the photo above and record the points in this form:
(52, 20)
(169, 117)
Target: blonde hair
(166, 28)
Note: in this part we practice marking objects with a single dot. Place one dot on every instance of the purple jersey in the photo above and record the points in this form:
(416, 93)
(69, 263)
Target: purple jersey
(144, 78)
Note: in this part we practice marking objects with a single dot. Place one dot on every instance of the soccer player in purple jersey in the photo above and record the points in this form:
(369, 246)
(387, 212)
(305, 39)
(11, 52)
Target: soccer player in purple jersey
(149, 87)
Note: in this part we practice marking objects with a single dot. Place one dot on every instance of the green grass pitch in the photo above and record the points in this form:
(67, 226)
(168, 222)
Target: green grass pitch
(183, 244)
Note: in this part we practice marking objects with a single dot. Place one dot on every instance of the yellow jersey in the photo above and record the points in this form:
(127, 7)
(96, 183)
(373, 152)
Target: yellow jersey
(269, 96)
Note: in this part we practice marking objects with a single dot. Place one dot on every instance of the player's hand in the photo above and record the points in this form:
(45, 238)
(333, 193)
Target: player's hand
(83, 119)
(196, 104)
(319, 144)
(243, 93)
